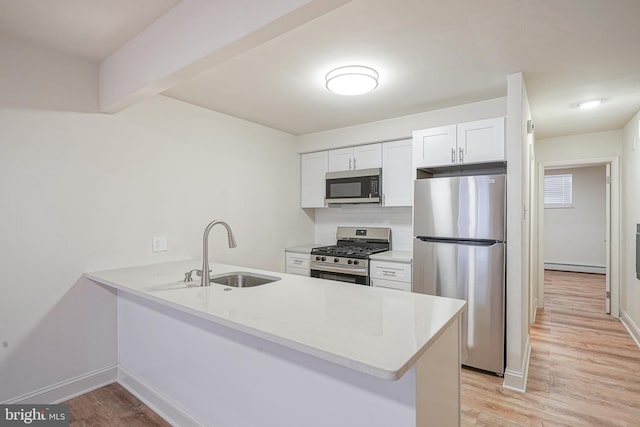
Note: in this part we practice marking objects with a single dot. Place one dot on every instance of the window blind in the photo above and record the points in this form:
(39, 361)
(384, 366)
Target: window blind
(558, 191)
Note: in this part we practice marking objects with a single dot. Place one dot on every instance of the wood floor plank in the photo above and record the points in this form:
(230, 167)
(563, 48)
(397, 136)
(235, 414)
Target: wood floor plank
(112, 405)
(584, 368)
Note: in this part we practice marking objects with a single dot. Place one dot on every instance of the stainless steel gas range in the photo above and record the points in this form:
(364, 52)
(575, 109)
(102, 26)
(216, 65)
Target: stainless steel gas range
(348, 259)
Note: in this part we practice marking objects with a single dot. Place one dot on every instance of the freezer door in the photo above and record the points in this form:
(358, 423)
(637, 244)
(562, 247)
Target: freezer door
(461, 207)
(476, 274)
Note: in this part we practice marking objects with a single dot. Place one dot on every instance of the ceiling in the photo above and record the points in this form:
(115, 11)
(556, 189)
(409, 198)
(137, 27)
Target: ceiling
(91, 29)
(430, 54)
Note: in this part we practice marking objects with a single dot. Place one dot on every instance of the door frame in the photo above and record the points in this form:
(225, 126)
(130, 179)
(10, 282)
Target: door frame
(613, 255)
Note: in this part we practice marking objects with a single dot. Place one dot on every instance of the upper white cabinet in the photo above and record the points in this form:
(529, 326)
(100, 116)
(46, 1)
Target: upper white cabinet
(435, 146)
(352, 158)
(473, 142)
(314, 167)
(397, 173)
(481, 141)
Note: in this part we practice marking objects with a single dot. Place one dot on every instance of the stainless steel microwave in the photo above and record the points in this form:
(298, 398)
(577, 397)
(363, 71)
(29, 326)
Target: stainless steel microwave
(356, 186)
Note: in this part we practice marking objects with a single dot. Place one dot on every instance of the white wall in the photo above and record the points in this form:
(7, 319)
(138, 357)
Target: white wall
(576, 235)
(82, 191)
(630, 289)
(399, 219)
(518, 229)
(401, 127)
(576, 147)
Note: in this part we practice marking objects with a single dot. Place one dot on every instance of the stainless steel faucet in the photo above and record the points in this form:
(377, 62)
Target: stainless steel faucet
(205, 249)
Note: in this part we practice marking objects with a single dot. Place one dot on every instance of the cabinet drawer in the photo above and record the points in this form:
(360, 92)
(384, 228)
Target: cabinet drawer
(297, 260)
(391, 284)
(299, 271)
(390, 271)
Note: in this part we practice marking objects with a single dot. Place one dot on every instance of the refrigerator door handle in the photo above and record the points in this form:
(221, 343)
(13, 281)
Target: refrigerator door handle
(469, 242)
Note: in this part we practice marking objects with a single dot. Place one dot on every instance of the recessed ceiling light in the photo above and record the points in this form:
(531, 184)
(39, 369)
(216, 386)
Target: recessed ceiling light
(352, 80)
(589, 104)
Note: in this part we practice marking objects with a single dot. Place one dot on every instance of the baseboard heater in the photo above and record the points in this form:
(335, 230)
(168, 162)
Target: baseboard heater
(578, 268)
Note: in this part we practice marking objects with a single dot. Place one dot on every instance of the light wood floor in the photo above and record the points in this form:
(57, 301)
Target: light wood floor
(584, 370)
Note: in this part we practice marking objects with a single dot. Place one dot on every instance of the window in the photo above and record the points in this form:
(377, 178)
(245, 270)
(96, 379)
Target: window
(558, 191)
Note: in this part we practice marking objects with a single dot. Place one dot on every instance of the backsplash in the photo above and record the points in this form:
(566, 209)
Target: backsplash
(399, 219)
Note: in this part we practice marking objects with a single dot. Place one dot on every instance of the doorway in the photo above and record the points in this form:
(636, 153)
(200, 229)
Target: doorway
(582, 252)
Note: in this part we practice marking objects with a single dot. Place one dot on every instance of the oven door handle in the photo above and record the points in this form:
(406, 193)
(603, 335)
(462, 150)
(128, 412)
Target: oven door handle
(355, 271)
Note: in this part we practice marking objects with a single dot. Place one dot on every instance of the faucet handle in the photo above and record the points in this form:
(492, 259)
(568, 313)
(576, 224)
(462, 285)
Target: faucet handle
(187, 275)
(199, 272)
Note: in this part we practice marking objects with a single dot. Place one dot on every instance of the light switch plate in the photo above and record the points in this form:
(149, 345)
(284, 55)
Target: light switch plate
(159, 244)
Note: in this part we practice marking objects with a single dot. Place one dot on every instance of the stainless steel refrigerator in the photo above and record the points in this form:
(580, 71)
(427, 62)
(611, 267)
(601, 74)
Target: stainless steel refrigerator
(459, 252)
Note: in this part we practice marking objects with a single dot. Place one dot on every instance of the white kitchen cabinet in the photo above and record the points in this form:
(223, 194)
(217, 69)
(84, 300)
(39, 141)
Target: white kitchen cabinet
(397, 173)
(367, 156)
(341, 159)
(353, 158)
(390, 274)
(435, 146)
(313, 168)
(297, 263)
(481, 141)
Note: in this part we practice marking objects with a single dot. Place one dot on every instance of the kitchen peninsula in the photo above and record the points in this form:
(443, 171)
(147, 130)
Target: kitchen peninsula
(298, 351)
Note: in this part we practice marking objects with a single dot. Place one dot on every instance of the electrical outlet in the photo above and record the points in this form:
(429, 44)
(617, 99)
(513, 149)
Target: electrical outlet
(159, 244)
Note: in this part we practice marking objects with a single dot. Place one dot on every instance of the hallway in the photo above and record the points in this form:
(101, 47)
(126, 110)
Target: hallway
(584, 369)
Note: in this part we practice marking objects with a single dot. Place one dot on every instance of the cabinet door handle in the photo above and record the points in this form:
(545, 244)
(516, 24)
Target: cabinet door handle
(297, 261)
(388, 273)
(453, 155)
(461, 155)
(354, 164)
(349, 164)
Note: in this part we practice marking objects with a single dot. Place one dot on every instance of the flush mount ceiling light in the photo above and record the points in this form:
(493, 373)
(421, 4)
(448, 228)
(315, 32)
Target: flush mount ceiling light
(352, 80)
(589, 104)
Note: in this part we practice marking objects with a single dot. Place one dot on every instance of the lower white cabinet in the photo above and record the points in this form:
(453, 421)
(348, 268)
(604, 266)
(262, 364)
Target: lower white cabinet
(297, 263)
(390, 274)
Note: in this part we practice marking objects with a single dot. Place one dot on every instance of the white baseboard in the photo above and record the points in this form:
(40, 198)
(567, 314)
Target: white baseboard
(68, 389)
(575, 267)
(631, 326)
(161, 404)
(517, 381)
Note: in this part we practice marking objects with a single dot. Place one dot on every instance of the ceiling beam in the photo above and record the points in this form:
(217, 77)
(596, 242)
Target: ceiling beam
(193, 37)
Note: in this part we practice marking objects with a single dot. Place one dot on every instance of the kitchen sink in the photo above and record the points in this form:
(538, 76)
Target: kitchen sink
(243, 279)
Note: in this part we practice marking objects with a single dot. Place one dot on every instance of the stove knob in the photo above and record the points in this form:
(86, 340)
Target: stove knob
(324, 258)
(350, 262)
(317, 258)
(356, 262)
(336, 260)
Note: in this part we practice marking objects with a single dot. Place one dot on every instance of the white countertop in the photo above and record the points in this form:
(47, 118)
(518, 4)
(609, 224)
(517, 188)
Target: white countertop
(303, 249)
(397, 256)
(381, 332)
